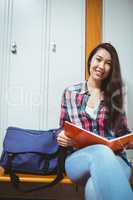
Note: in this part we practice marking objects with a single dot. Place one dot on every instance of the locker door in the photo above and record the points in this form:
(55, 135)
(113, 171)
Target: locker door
(67, 57)
(26, 63)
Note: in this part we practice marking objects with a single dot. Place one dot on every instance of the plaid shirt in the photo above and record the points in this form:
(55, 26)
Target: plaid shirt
(73, 106)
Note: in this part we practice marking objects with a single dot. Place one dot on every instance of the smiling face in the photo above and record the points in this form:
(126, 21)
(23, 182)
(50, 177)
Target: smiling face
(100, 65)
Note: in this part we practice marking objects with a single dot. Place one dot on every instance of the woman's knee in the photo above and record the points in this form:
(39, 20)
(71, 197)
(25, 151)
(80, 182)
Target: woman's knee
(102, 147)
(99, 149)
(77, 166)
(86, 155)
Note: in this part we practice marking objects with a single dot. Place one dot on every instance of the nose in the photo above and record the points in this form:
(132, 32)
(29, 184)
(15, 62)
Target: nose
(101, 65)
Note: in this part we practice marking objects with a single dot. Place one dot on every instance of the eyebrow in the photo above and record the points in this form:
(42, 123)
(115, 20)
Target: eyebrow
(102, 58)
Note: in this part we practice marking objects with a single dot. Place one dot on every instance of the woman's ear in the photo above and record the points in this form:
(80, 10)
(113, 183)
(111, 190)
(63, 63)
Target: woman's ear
(2, 171)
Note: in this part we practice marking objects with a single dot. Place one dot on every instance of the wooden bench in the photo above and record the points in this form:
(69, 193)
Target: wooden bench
(43, 179)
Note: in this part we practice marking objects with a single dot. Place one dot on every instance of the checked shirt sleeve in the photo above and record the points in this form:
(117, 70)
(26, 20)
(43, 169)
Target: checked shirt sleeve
(124, 125)
(64, 110)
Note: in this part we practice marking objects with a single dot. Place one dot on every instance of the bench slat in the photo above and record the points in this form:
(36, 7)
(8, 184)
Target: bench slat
(35, 178)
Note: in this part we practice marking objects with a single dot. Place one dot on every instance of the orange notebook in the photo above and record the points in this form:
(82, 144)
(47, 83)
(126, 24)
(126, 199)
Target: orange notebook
(84, 138)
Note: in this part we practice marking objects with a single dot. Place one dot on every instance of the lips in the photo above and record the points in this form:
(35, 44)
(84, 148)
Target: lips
(99, 73)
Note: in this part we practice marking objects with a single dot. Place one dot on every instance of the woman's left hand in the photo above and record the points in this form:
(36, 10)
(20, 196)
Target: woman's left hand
(129, 145)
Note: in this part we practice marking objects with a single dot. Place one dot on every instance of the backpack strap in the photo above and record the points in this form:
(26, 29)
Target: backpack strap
(61, 152)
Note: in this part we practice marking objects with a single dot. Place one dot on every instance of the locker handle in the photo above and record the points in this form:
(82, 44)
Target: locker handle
(14, 47)
(54, 48)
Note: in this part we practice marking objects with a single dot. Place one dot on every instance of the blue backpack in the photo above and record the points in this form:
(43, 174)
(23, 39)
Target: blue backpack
(34, 152)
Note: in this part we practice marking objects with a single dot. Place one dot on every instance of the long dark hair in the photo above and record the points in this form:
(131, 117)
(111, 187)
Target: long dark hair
(112, 87)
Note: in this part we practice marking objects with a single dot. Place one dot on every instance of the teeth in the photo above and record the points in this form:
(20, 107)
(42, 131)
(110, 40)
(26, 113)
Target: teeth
(99, 72)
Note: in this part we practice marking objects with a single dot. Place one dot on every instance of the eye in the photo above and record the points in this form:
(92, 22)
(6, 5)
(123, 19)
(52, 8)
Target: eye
(109, 63)
(98, 59)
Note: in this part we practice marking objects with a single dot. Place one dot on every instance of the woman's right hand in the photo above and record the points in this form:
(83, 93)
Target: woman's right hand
(63, 140)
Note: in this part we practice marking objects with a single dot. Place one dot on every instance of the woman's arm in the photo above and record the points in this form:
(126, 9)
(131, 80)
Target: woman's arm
(62, 139)
(126, 130)
(64, 116)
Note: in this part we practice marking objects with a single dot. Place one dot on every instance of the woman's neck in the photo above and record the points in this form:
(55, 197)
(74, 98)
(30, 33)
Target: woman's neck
(94, 84)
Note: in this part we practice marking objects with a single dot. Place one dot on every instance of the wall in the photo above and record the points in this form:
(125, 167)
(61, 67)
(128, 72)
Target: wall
(118, 29)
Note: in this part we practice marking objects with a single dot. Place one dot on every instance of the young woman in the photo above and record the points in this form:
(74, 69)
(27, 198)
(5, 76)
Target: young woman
(97, 105)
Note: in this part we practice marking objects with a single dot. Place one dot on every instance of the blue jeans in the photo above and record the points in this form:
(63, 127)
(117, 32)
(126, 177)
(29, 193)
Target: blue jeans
(104, 174)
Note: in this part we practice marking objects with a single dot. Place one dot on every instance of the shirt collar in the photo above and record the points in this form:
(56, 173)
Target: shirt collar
(84, 90)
